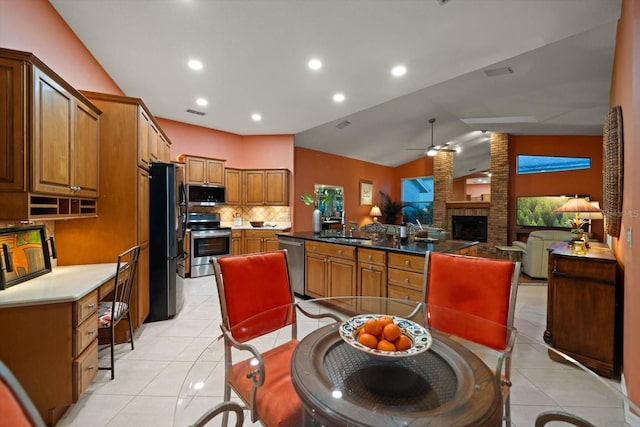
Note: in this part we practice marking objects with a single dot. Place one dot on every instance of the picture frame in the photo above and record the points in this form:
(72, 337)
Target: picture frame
(366, 192)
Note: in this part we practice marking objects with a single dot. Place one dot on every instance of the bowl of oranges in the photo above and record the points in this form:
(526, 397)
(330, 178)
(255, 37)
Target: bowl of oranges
(385, 337)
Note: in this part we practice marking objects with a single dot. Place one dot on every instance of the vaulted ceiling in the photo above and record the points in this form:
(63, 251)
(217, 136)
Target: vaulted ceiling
(553, 60)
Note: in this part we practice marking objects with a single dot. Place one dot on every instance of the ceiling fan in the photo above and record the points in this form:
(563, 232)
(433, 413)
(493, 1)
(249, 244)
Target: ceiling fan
(435, 149)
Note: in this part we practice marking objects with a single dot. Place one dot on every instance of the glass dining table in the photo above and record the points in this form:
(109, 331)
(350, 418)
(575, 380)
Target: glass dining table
(339, 384)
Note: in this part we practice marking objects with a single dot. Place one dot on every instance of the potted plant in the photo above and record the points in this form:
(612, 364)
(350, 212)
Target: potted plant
(390, 208)
(576, 228)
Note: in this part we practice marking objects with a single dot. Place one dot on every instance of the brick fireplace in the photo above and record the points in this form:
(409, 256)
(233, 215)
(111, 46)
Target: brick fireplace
(495, 210)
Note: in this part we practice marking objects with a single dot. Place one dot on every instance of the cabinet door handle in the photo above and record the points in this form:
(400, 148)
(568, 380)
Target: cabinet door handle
(370, 267)
(339, 251)
(406, 262)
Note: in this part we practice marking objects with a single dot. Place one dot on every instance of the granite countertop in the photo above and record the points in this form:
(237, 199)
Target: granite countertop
(364, 240)
(62, 284)
(277, 226)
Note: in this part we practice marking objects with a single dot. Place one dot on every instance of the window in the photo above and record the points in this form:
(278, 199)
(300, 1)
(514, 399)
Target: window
(538, 164)
(417, 198)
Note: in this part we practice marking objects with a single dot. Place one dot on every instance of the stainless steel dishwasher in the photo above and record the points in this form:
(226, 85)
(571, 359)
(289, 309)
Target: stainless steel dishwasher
(295, 256)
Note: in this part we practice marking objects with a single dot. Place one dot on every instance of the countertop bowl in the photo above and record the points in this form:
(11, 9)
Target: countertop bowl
(256, 223)
(421, 339)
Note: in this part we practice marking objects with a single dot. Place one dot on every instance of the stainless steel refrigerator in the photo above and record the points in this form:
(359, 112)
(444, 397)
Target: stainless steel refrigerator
(166, 233)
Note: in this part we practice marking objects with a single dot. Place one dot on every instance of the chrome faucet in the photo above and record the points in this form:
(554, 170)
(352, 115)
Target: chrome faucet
(344, 223)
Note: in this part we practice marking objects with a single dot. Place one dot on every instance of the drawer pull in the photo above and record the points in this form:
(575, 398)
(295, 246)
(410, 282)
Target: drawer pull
(91, 332)
(406, 297)
(339, 251)
(91, 368)
(406, 280)
(90, 306)
(370, 257)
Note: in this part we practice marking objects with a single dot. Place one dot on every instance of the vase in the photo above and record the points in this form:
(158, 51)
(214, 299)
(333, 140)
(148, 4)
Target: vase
(317, 220)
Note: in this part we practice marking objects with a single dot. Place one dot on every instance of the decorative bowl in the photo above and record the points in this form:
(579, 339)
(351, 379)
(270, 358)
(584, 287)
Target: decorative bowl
(421, 339)
(256, 223)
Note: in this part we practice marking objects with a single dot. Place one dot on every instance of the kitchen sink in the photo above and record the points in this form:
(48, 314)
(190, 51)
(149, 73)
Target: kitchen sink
(345, 239)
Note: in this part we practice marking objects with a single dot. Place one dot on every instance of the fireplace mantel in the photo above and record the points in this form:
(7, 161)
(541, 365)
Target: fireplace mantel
(463, 204)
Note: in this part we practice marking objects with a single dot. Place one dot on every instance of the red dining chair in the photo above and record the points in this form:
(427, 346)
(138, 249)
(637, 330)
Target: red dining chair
(16, 408)
(474, 298)
(247, 286)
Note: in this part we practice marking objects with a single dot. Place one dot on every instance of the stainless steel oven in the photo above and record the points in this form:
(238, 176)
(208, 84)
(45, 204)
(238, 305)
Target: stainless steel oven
(208, 241)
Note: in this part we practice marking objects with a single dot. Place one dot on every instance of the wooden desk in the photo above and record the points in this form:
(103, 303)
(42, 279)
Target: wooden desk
(49, 334)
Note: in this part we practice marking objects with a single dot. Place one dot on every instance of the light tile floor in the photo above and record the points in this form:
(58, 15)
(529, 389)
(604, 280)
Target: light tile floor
(149, 380)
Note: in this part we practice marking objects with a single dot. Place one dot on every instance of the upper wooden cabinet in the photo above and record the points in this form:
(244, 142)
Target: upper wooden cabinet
(266, 187)
(152, 144)
(233, 184)
(203, 170)
(50, 139)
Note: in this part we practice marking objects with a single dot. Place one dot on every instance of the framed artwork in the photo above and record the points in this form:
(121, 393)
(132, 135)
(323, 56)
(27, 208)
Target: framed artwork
(366, 192)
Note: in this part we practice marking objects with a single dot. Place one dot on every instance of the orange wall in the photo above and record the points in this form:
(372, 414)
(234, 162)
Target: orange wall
(625, 91)
(35, 26)
(587, 181)
(315, 167)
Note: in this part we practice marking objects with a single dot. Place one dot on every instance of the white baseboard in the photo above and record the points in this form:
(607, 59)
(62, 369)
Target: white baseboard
(630, 418)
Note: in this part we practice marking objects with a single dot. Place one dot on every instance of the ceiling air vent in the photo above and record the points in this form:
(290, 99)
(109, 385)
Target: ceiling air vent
(443, 2)
(498, 71)
(198, 113)
(343, 124)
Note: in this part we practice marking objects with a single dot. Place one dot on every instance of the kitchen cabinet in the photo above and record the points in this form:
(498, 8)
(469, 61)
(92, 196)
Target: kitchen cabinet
(259, 241)
(372, 278)
(124, 198)
(330, 271)
(266, 187)
(203, 170)
(236, 242)
(233, 184)
(405, 276)
(50, 134)
(584, 307)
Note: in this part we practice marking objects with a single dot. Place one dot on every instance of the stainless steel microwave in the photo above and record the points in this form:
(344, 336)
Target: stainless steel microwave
(206, 195)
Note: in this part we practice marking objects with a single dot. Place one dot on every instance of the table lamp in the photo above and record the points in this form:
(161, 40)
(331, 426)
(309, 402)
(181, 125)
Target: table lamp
(580, 206)
(375, 213)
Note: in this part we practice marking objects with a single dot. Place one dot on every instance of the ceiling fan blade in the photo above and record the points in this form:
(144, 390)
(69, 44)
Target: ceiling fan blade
(419, 149)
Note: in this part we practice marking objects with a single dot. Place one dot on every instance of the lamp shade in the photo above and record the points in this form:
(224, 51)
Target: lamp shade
(375, 211)
(577, 205)
(592, 214)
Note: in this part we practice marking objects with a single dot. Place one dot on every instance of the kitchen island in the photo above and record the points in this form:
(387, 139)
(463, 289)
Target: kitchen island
(368, 265)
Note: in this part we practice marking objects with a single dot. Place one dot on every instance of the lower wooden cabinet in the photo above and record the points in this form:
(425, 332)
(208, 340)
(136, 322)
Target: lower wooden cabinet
(259, 241)
(372, 279)
(236, 242)
(330, 271)
(584, 306)
(405, 275)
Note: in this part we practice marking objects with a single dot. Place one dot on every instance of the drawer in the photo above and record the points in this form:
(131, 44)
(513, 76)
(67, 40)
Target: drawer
(85, 307)
(236, 233)
(341, 251)
(261, 234)
(84, 334)
(406, 279)
(400, 292)
(85, 369)
(372, 256)
(407, 262)
(106, 288)
(468, 251)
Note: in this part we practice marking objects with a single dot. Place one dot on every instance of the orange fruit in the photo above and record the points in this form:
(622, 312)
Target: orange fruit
(391, 332)
(373, 327)
(402, 343)
(385, 320)
(385, 345)
(368, 340)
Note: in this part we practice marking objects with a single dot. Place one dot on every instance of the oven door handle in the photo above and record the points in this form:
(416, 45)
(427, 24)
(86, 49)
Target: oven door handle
(183, 255)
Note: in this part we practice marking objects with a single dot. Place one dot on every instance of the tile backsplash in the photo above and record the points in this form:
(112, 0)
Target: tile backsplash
(250, 213)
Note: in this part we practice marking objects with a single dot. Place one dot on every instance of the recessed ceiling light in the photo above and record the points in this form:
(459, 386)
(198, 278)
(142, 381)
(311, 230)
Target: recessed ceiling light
(315, 64)
(256, 117)
(194, 64)
(339, 97)
(202, 102)
(399, 71)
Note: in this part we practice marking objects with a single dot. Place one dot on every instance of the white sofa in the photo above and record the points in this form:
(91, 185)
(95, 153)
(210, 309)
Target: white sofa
(535, 257)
